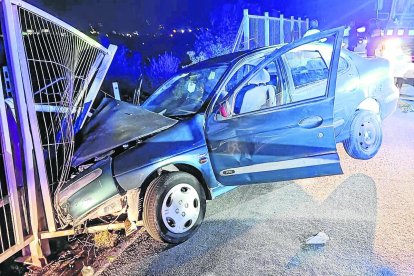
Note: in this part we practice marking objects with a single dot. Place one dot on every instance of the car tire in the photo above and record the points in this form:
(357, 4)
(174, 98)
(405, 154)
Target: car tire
(365, 135)
(174, 207)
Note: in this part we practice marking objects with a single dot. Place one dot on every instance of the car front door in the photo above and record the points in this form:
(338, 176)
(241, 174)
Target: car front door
(286, 139)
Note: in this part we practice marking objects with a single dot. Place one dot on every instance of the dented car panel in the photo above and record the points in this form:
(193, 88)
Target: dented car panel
(114, 124)
(244, 153)
(185, 144)
(88, 190)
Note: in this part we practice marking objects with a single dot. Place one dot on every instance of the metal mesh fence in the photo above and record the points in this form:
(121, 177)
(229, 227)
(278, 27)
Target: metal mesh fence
(303, 28)
(60, 63)
(274, 32)
(257, 33)
(6, 224)
(288, 32)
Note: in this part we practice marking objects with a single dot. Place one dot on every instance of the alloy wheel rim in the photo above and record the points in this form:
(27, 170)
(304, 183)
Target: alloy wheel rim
(180, 208)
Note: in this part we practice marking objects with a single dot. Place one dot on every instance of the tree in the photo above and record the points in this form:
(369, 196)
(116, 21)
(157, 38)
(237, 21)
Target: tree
(219, 39)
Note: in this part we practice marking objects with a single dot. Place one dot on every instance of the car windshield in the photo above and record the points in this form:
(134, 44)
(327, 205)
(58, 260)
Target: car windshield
(185, 93)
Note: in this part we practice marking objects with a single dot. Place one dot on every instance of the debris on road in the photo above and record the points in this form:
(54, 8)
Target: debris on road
(320, 239)
(405, 107)
(87, 271)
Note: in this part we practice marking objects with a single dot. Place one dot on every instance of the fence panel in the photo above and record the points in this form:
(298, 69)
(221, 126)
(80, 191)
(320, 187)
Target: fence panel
(255, 32)
(53, 70)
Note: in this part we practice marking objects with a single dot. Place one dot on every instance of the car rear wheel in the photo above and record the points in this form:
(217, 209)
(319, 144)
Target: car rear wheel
(365, 135)
(174, 207)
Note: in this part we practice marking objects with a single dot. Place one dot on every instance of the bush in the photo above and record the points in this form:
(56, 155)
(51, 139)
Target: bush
(219, 39)
(159, 70)
(208, 44)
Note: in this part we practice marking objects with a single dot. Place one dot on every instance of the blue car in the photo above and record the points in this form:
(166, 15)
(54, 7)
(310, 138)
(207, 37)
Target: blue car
(259, 116)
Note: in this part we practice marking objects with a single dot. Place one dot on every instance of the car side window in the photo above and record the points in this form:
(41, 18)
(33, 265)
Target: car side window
(343, 65)
(308, 72)
(241, 73)
(263, 91)
(238, 76)
(306, 67)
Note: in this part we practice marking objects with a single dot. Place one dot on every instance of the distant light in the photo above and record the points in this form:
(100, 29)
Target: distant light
(171, 35)
(143, 43)
(189, 30)
(45, 30)
(361, 30)
(390, 32)
(400, 32)
(174, 31)
(182, 31)
(392, 49)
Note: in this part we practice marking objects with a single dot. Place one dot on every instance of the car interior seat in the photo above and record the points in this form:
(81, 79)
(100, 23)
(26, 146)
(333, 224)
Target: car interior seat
(257, 94)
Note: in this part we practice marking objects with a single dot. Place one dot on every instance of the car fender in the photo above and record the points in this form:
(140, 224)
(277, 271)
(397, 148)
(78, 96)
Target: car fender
(369, 104)
(183, 144)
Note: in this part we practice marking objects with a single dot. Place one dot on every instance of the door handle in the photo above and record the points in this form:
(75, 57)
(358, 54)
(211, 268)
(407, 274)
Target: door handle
(311, 122)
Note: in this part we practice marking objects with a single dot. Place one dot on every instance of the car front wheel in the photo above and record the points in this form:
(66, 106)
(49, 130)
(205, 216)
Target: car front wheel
(365, 135)
(174, 207)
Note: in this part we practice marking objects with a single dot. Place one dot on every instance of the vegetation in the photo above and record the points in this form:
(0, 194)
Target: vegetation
(159, 70)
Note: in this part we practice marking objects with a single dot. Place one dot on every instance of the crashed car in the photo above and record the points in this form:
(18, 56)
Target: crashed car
(258, 116)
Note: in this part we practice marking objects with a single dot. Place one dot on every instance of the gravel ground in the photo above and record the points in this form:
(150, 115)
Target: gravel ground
(368, 213)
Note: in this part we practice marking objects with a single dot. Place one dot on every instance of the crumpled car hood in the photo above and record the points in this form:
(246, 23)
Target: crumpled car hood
(114, 124)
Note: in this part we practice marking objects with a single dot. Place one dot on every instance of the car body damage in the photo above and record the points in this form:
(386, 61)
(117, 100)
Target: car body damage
(260, 116)
(93, 187)
(114, 124)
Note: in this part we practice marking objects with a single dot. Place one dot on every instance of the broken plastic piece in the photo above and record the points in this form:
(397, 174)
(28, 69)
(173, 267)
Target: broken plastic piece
(320, 239)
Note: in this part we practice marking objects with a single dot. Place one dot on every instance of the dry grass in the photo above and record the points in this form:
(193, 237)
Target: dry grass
(105, 239)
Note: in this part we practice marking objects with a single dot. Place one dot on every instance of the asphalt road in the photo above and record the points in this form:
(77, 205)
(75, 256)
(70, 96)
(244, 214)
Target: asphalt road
(368, 213)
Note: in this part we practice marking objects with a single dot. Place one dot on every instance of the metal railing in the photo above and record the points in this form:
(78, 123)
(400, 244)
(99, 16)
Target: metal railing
(259, 31)
(55, 74)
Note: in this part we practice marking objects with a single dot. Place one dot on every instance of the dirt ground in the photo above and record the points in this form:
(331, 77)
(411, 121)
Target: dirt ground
(368, 213)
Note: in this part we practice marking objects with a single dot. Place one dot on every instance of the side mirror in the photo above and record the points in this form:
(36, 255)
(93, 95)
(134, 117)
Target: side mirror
(224, 109)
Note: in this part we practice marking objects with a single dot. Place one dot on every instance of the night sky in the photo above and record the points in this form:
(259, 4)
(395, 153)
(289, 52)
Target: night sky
(145, 16)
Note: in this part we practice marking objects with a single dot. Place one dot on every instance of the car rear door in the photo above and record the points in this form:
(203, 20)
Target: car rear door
(288, 141)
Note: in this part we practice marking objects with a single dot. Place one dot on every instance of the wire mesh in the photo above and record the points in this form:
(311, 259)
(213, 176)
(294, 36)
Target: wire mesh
(303, 28)
(60, 63)
(257, 33)
(288, 31)
(7, 239)
(274, 32)
(277, 35)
